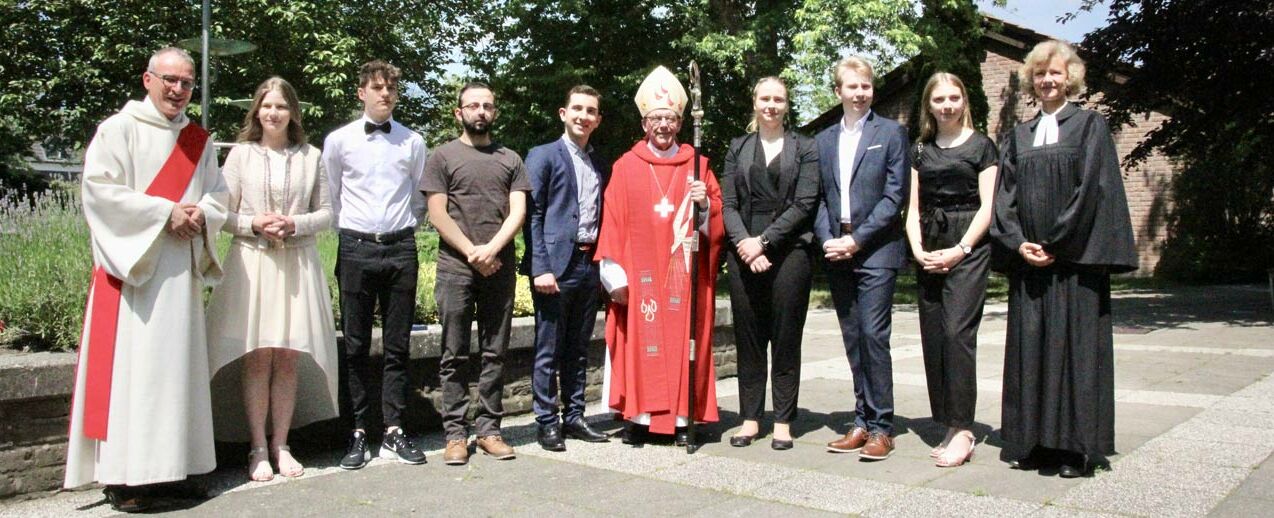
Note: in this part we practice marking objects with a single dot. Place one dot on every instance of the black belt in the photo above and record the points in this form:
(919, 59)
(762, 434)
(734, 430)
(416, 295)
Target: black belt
(846, 228)
(383, 238)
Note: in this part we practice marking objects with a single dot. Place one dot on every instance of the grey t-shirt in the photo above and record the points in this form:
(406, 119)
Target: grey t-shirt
(477, 182)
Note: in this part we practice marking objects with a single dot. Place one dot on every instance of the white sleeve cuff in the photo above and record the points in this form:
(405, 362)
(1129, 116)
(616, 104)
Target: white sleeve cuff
(613, 275)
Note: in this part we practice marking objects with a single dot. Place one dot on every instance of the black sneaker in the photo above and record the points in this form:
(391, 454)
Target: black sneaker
(358, 455)
(396, 446)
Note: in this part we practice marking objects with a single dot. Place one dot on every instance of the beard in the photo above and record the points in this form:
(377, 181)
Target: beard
(476, 127)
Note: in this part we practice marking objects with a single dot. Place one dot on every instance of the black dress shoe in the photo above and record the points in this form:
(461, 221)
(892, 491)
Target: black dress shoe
(780, 444)
(740, 441)
(128, 499)
(635, 434)
(550, 437)
(1039, 457)
(579, 429)
(1074, 465)
(682, 437)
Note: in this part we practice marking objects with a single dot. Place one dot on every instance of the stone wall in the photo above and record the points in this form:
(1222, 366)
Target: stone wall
(35, 397)
(34, 400)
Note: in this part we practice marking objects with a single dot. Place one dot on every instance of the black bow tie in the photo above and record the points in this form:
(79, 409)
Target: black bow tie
(371, 127)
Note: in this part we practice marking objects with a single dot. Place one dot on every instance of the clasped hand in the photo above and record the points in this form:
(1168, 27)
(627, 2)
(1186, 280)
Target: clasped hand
(940, 261)
(275, 227)
(753, 254)
(840, 248)
(483, 259)
(186, 221)
(1035, 255)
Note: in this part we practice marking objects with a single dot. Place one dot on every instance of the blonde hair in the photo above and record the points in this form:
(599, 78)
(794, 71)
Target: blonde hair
(752, 124)
(251, 131)
(1044, 52)
(929, 124)
(855, 63)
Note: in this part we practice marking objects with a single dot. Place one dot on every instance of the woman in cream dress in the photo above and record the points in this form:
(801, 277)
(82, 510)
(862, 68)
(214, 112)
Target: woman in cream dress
(271, 336)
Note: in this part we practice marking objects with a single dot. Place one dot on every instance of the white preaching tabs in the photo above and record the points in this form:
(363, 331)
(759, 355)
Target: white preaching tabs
(1046, 131)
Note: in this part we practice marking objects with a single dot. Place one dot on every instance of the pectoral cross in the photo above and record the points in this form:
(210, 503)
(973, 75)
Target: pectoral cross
(664, 208)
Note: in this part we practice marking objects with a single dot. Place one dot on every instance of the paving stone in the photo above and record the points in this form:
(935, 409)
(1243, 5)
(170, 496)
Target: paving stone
(1241, 435)
(743, 506)
(1114, 494)
(722, 474)
(1202, 452)
(925, 502)
(987, 476)
(1238, 507)
(827, 492)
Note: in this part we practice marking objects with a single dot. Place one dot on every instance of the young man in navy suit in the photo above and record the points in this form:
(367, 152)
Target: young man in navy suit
(865, 168)
(567, 182)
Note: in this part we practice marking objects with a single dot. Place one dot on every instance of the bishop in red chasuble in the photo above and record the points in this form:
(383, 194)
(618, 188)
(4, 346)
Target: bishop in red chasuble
(645, 260)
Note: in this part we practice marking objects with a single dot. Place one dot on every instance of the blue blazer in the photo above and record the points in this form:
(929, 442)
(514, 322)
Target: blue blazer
(553, 208)
(877, 192)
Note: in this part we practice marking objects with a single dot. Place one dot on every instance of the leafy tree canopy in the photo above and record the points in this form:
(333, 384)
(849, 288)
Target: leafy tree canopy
(1208, 65)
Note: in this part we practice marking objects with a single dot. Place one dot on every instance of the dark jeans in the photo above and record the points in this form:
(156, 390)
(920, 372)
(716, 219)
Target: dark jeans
(863, 298)
(367, 273)
(563, 327)
(461, 297)
(769, 311)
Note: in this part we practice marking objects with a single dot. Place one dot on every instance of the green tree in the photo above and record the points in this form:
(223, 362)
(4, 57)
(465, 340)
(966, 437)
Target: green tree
(1207, 64)
(68, 64)
(537, 49)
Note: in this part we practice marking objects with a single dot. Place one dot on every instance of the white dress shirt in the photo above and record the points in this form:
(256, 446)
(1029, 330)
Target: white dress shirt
(1046, 131)
(373, 177)
(846, 149)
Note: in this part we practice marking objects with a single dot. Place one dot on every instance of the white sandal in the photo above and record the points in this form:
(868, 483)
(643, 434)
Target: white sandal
(259, 469)
(295, 469)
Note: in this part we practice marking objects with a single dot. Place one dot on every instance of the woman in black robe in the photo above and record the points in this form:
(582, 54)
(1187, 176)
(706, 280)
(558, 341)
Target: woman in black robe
(1061, 220)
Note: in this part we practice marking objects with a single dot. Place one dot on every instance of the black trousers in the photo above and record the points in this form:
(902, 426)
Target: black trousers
(950, 312)
(370, 272)
(461, 298)
(769, 310)
(564, 324)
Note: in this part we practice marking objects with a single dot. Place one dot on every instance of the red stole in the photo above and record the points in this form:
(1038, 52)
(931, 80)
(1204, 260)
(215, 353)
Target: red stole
(649, 336)
(105, 292)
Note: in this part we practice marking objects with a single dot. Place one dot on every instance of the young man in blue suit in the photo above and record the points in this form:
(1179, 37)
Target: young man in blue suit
(565, 211)
(865, 168)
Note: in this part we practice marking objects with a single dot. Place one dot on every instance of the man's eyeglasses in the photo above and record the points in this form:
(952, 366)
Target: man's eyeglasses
(174, 81)
(663, 119)
(473, 107)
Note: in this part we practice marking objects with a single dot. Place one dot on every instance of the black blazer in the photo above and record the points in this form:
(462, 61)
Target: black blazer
(798, 186)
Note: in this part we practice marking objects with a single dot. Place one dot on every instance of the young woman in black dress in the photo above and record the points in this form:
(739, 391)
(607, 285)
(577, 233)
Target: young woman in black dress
(952, 182)
(1062, 220)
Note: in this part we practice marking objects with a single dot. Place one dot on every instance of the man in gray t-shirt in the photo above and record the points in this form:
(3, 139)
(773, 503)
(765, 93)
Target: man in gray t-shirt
(476, 193)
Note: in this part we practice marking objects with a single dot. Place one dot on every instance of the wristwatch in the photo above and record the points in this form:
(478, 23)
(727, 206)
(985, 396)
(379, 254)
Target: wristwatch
(965, 248)
(765, 242)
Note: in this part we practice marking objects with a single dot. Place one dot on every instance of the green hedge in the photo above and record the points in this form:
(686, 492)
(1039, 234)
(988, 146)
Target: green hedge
(45, 266)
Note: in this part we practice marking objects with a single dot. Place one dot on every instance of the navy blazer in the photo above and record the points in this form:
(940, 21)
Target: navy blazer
(553, 207)
(878, 192)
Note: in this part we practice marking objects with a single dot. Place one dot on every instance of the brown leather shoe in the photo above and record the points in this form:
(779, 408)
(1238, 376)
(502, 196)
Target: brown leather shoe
(850, 443)
(457, 452)
(495, 446)
(879, 447)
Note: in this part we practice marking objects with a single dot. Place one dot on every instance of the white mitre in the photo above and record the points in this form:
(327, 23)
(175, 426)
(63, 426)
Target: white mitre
(661, 89)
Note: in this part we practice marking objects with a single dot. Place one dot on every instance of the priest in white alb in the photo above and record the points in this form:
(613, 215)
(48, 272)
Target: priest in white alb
(154, 201)
(645, 267)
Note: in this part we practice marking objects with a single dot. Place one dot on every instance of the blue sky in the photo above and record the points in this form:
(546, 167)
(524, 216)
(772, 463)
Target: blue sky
(1041, 16)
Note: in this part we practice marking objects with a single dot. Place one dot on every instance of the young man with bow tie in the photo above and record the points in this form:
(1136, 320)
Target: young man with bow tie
(373, 166)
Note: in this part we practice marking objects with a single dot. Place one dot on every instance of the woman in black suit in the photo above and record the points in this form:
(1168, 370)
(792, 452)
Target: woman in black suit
(770, 192)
